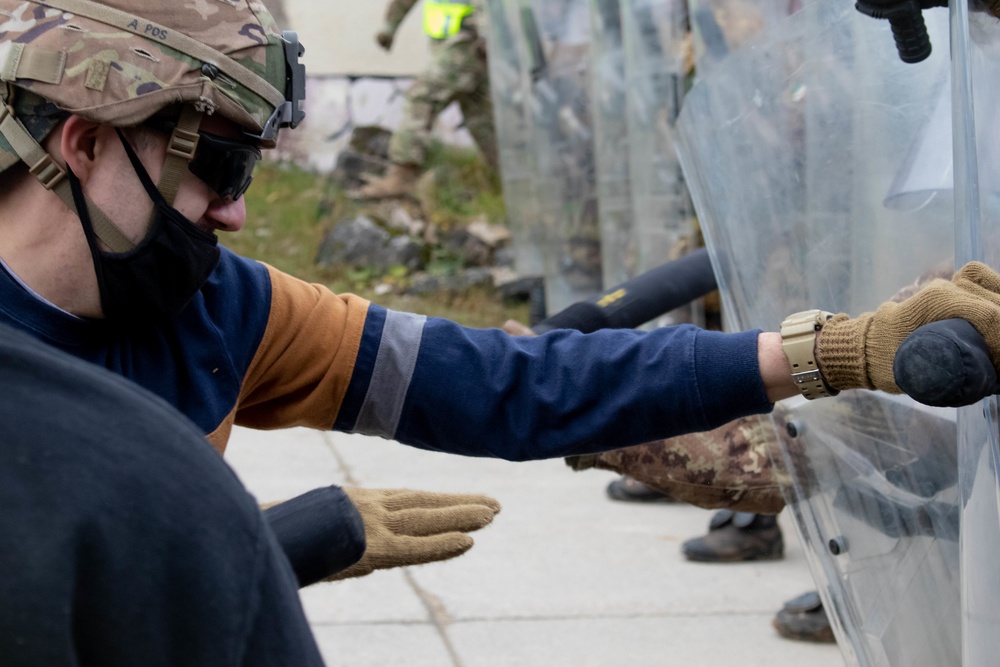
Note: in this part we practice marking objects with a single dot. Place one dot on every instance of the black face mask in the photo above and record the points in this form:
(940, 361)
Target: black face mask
(155, 280)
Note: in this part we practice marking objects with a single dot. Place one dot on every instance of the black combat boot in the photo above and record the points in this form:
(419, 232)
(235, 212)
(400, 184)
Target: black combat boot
(803, 618)
(632, 490)
(737, 536)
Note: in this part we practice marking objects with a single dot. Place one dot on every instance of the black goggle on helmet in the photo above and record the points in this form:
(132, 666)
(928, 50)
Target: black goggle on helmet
(224, 165)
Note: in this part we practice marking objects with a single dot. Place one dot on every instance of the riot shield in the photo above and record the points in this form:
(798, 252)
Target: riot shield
(797, 151)
(508, 90)
(658, 69)
(611, 141)
(722, 26)
(976, 49)
(557, 39)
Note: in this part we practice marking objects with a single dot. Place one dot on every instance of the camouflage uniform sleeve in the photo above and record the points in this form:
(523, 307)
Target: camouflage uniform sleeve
(395, 13)
(737, 466)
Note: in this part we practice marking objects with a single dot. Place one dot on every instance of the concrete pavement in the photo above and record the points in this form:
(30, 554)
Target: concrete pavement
(563, 577)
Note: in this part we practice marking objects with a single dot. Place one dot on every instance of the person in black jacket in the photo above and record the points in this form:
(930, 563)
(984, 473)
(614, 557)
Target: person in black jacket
(124, 537)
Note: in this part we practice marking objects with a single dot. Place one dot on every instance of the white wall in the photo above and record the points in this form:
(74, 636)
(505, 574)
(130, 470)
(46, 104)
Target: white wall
(339, 36)
(345, 67)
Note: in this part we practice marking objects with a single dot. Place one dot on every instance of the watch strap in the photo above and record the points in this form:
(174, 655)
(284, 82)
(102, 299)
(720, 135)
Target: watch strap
(798, 340)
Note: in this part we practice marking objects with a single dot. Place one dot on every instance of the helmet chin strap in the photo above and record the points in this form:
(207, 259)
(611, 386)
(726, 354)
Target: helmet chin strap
(52, 176)
(180, 151)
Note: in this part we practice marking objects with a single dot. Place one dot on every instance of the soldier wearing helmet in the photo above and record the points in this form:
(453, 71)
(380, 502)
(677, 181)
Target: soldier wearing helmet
(127, 139)
(131, 128)
(219, 91)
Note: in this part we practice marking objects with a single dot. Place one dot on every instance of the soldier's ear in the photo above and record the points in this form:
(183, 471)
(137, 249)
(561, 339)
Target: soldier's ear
(81, 143)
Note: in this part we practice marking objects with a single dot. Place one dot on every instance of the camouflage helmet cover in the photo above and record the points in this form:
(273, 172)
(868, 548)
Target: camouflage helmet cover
(121, 61)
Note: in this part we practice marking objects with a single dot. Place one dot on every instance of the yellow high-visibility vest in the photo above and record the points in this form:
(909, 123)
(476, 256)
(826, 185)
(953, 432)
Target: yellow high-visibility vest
(444, 19)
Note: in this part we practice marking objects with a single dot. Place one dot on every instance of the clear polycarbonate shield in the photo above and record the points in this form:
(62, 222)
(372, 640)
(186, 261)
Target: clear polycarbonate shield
(557, 40)
(720, 27)
(611, 143)
(659, 68)
(801, 151)
(976, 58)
(508, 90)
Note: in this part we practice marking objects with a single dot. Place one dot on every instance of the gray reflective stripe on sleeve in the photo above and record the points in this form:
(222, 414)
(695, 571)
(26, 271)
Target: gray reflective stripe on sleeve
(394, 364)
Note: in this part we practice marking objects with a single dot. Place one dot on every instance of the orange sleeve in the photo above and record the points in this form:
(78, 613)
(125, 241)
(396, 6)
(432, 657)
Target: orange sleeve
(302, 368)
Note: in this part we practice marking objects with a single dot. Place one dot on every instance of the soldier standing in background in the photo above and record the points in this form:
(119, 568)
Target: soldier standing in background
(457, 73)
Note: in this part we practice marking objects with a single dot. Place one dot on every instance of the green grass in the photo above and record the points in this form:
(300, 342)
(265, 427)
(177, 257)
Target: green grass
(290, 209)
(284, 221)
(464, 188)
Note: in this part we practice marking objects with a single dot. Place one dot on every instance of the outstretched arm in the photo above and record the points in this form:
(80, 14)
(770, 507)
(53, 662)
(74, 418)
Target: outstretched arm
(480, 392)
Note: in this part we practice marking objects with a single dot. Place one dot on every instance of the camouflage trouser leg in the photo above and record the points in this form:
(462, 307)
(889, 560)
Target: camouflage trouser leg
(732, 466)
(457, 72)
(477, 111)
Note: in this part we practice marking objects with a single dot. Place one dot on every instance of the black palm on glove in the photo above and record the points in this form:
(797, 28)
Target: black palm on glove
(946, 364)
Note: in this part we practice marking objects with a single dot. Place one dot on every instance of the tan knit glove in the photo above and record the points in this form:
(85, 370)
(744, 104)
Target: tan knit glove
(404, 527)
(855, 353)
